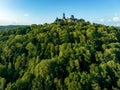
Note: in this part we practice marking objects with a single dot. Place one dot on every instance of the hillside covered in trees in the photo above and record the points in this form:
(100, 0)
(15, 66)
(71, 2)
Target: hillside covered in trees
(60, 56)
(11, 27)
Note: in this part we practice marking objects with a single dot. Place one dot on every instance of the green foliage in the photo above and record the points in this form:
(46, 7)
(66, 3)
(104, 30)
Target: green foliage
(60, 56)
(2, 83)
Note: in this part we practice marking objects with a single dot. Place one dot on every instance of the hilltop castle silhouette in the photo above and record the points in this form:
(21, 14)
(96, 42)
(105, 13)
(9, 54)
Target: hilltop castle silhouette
(71, 19)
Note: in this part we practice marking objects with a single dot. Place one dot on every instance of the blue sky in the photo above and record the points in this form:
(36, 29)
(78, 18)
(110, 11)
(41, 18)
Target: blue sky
(42, 11)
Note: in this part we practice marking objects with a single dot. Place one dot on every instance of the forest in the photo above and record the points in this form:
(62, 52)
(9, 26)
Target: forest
(11, 27)
(60, 56)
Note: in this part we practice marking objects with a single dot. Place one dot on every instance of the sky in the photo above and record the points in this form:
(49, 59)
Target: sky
(26, 12)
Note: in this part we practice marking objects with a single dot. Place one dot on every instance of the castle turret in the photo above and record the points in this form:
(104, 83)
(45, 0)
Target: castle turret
(63, 16)
(72, 17)
(56, 19)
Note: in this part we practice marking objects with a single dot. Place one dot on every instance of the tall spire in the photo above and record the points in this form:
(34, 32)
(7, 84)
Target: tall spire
(63, 16)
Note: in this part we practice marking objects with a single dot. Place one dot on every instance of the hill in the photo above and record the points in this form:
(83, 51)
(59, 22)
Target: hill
(11, 27)
(60, 56)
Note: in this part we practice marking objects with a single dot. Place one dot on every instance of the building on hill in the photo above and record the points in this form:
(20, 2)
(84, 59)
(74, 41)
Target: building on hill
(71, 19)
(57, 19)
(63, 17)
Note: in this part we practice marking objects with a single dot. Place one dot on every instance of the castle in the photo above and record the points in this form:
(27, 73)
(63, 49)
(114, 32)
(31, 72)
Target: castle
(71, 19)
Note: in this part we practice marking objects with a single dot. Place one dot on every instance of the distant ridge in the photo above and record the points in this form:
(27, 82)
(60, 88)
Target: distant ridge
(11, 26)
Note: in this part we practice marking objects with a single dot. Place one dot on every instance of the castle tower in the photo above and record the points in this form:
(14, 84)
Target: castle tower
(72, 17)
(56, 19)
(63, 17)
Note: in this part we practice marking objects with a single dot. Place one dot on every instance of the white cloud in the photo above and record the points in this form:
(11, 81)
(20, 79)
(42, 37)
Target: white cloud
(116, 19)
(102, 20)
(26, 15)
(4, 22)
(117, 24)
(109, 20)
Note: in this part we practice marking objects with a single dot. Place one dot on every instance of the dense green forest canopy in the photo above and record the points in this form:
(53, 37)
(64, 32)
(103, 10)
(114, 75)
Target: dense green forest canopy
(60, 56)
